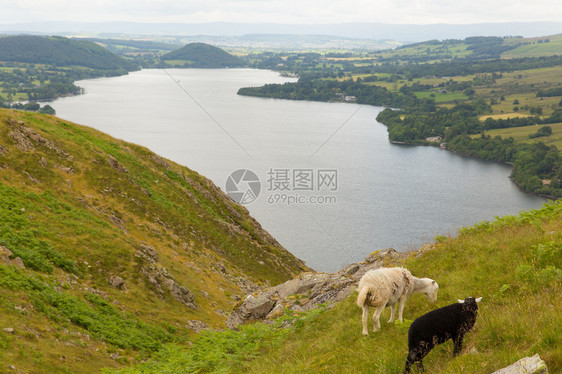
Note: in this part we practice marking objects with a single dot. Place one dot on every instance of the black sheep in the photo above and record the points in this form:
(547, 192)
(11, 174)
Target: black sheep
(438, 326)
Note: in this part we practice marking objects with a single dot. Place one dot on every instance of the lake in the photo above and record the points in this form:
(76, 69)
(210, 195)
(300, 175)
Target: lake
(331, 187)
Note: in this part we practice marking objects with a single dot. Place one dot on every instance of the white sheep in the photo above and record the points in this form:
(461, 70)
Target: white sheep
(387, 286)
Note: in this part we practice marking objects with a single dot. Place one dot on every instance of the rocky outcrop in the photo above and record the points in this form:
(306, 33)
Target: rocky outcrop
(6, 258)
(308, 291)
(159, 277)
(527, 365)
(112, 161)
(117, 282)
(197, 325)
(25, 137)
(3, 150)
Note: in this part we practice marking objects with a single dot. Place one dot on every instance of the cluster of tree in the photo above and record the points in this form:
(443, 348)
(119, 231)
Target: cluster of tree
(551, 92)
(310, 88)
(415, 124)
(484, 47)
(492, 123)
(543, 131)
(31, 106)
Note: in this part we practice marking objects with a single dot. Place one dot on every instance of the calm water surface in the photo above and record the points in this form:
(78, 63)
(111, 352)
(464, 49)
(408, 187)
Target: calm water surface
(387, 195)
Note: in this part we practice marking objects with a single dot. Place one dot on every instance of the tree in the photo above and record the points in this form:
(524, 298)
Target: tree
(543, 131)
(47, 109)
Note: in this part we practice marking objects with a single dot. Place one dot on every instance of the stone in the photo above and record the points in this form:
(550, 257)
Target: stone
(117, 282)
(9, 330)
(148, 253)
(527, 365)
(112, 161)
(251, 309)
(308, 291)
(5, 258)
(196, 325)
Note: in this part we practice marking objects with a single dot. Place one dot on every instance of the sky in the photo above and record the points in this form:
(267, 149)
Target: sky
(281, 11)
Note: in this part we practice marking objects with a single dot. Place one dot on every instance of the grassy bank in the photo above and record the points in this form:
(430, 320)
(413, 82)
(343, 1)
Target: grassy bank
(514, 263)
(108, 251)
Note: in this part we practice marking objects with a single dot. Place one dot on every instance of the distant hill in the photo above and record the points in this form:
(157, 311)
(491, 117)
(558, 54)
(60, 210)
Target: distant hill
(475, 48)
(60, 51)
(201, 55)
(369, 30)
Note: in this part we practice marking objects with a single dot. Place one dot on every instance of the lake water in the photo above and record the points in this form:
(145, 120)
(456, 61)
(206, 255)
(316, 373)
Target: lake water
(333, 189)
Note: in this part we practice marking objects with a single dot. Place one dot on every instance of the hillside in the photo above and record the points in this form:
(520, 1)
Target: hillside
(108, 251)
(201, 55)
(60, 51)
(36, 68)
(514, 263)
(474, 48)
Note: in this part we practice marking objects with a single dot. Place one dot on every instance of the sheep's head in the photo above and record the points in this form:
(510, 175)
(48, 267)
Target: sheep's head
(431, 290)
(470, 303)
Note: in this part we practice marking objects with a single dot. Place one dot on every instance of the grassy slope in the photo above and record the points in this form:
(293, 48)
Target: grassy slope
(521, 134)
(76, 221)
(534, 48)
(514, 263)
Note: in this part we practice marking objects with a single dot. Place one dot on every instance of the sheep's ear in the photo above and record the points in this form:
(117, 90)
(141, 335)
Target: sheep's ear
(433, 282)
(460, 301)
(479, 299)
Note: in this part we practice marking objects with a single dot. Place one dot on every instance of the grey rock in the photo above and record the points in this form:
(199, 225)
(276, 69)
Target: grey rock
(251, 309)
(307, 291)
(527, 365)
(5, 258)
(196, 325)
(112, 161)
(117, 282)
(148, 253)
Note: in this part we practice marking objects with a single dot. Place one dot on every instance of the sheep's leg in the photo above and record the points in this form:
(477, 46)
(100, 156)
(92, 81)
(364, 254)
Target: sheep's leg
(392, 313)
(365, 319)
(408, 365)
(376, 317)
(458, 344)
(401, 308)
(420, 366)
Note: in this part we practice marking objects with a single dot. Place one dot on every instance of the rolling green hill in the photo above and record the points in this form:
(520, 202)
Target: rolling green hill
(201, 55)
(108, 251)
(474, 48)
(534, 47)
(60, 51)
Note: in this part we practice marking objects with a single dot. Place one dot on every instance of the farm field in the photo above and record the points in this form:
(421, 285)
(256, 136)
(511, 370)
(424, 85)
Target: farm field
(536, 48)
(521, 134)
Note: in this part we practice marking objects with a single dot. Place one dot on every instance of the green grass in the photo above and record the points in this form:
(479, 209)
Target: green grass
(534, 49)
(76, 221)
(442, 97)
(514, 263)
(521, 134)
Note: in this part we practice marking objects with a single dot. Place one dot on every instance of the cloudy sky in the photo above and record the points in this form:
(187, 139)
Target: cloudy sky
(281, 11)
